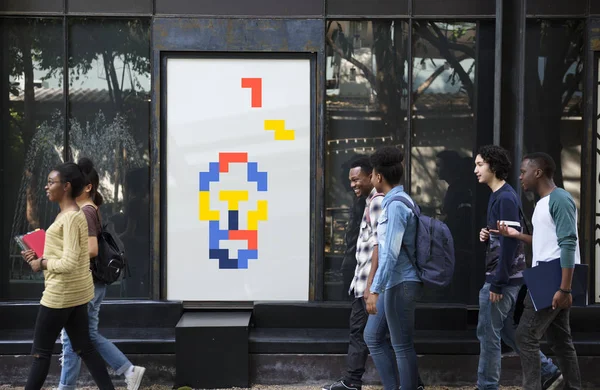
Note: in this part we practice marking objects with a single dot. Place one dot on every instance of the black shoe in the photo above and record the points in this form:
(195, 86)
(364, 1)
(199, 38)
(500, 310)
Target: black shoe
(554, 382)
(420, 387)
(342, 385)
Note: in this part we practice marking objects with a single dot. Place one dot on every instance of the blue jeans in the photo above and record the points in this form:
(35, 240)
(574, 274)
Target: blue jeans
(71, 362)
(399, 303)
(496, 323)
(381, 347)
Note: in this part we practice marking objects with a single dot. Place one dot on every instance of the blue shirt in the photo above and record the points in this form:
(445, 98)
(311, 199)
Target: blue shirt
(396, 237)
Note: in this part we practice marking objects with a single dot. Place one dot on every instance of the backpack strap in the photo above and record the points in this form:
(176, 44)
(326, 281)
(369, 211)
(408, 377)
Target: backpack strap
(407, 203)
(99, 220)
(417, 213)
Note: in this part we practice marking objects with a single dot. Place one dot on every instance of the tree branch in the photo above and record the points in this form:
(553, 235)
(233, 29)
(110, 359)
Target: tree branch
(366, 71)
(427, 83)
(441, 43)
(572, 88)
(460, 47)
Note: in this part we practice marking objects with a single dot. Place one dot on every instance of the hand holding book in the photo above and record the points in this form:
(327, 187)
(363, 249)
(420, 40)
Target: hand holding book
(29, 255)
(33, 241)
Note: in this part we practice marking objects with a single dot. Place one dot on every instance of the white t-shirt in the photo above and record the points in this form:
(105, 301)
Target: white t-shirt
(555, 228)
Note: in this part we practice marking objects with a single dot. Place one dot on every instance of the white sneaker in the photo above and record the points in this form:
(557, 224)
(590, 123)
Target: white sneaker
(134, 380)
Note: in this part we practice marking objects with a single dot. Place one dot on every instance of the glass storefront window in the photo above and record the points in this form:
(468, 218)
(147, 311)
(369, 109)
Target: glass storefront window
(32, 131)
(367, 105)
(109, 122)
(367, 91)
(554, 98)
(443, 141)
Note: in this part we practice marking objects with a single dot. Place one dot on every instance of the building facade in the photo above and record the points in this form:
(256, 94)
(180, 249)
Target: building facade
(439, 78)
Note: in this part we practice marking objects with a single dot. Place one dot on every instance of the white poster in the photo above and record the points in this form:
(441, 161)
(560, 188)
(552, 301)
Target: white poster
(238, 179)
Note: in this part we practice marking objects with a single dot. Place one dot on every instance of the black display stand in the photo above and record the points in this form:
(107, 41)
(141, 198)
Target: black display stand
(212, 350)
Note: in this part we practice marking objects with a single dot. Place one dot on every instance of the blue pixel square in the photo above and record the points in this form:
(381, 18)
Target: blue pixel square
(260, 178)
(205, 178)
(216, 235)
(245, 255)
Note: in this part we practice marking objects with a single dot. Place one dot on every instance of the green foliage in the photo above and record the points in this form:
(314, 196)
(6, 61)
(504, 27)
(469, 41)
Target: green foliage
(107, 39)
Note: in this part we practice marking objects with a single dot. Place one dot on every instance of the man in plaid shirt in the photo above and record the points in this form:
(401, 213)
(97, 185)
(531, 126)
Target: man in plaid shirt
(366, 258)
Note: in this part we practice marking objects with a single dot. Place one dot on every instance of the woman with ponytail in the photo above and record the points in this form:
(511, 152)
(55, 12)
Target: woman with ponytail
(89, 201)
(68, 285)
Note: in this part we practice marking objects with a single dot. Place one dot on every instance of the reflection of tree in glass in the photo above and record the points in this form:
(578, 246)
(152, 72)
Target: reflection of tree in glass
(102, 140)
(34, 43)
(113, 150)
(390, 48)
(32, 208)
(107, 41)
(451, 42)
(38, 44)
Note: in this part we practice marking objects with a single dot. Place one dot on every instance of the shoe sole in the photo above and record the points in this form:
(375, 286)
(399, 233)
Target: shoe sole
(329, 388)
(559, 381)
(139, 378)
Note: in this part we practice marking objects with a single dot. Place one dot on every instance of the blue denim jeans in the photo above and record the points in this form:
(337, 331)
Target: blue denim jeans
(71, 362)
(380, 347)
(399, 304)
(496, 323)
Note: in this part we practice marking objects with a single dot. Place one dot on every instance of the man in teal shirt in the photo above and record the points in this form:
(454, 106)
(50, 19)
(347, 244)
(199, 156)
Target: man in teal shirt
(554, 236)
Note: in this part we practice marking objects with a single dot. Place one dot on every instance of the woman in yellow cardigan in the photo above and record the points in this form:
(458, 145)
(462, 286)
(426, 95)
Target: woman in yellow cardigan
(68, 282)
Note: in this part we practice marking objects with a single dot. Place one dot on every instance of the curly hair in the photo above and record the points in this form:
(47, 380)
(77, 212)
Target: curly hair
(387, 161)
(498, 160)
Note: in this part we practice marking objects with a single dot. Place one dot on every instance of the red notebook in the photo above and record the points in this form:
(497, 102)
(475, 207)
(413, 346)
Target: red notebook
(36, 240)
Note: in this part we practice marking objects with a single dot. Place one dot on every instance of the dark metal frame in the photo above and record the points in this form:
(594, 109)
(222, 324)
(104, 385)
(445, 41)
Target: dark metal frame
(4, 118)
(314, 157)
(591, 132)
(433, 9)
(409, 110)
(498, 71)
(590, 155)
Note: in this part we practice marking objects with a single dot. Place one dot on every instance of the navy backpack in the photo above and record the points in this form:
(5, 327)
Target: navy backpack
(435, 249)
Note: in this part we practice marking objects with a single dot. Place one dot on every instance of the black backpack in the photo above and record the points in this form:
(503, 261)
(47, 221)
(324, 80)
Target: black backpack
(110, 263)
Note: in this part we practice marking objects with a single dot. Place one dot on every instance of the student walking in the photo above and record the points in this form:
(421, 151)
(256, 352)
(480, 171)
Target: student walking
(89, 201)
(554, 236)
(396, 278)
(505, 261)
(68, 282)
(366, 260)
